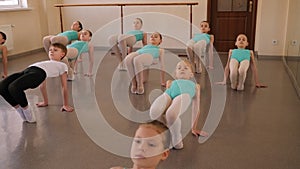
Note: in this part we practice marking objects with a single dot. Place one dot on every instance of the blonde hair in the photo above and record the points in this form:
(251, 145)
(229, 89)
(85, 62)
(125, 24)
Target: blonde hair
(160, 128)
(188, 63)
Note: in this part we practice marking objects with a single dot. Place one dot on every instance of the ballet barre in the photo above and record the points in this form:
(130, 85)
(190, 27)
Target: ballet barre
(122, 5)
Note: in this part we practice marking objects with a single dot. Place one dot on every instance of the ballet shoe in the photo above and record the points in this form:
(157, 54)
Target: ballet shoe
(233, 86)
(133, 89)
(178, 146)
(240, 87)
(140, 90)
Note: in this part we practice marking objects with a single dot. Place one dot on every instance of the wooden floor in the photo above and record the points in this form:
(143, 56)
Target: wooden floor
(257, 129)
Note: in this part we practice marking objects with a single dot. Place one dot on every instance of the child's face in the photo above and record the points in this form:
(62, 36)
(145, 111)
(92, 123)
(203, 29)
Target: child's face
(241, 41)
(137, 24)
(75, 26)
(183, 71)
(155, 39)
(204, 27)
(147, 149)
(55, 53)
(85, 36)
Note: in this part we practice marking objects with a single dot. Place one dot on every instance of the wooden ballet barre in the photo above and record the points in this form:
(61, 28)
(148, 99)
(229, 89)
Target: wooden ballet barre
(121, 5)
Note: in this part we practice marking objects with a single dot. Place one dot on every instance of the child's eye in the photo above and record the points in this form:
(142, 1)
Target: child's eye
(152, 145)
(137, 141)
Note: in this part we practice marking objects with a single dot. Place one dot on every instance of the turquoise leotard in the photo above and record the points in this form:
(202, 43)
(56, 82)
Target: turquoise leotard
(202, 36)
(81, 46)
(241, 54)
(71, 35)
(151, 49)
(139, 35)
(181, 86)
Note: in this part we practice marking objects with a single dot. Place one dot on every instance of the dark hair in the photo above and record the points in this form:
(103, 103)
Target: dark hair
(160, 128)
(160, 36)
(3, 35)
(60, 46)
(80, 26)
(90, 32)
(205, 22)
(140, 20)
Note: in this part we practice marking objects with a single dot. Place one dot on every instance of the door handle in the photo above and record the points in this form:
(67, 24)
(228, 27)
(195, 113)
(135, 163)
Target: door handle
(250, 6)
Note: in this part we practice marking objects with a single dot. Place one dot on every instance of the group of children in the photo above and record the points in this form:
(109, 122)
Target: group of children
(183, 91)
(64, 51)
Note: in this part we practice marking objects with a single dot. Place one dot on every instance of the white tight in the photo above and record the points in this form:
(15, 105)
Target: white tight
(135, 65)
(238, 73)
(48, 40)
(71, 54)
(120, 43)
(172, 109)
(197, 48)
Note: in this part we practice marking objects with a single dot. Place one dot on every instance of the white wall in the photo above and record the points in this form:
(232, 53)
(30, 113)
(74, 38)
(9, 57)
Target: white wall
(293, 29)
(168, 20)
(30, 25)
(271, 25)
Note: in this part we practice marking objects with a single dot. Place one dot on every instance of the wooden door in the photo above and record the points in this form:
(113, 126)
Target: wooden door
(228, 18)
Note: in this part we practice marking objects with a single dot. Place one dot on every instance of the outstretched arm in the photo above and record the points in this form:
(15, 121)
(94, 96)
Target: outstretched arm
(66, 107)
(226, 70)
(162, 67)
(144, 39)
(210, 53)
(196, 113)
(168, 84)
(43, 89)
(91, 60)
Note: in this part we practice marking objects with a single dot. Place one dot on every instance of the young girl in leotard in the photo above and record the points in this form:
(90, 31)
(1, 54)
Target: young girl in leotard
(147, 55)
(197, 45)
(65, 37)
(150, 146)
(238, 63)
(175, 101)
(75, 50)
(119, 43)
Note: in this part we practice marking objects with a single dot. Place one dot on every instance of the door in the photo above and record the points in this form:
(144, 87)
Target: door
(228, 18)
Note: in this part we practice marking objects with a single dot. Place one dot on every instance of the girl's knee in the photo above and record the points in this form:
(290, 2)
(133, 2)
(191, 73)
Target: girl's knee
(136, 61)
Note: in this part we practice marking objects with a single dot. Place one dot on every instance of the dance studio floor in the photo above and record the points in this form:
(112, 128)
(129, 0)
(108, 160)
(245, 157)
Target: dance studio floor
(253, 129)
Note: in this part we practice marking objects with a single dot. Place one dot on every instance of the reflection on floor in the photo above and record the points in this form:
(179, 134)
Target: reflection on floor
(259, 128)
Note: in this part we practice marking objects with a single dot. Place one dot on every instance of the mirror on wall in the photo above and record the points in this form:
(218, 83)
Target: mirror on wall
(293, 59)
(292, 55)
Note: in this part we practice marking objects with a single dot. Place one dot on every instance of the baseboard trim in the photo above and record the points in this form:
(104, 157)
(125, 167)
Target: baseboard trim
(15, 56)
